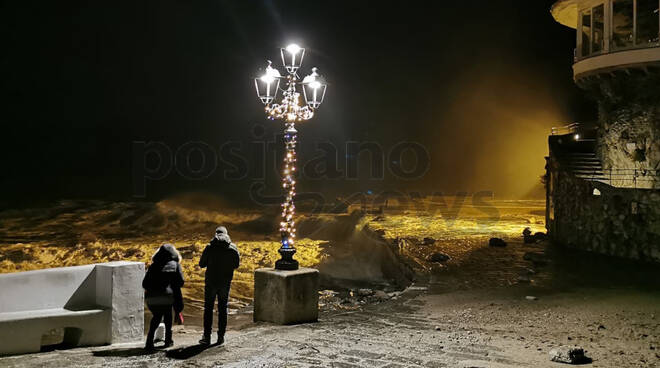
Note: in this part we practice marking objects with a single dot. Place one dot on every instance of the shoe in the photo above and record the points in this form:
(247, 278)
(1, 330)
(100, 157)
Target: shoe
(221, 339)
(168, 344)
(149, 346)
(206, 340)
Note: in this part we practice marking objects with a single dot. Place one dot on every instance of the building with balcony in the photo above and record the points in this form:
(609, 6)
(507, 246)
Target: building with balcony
(611, 35)
(603, 178)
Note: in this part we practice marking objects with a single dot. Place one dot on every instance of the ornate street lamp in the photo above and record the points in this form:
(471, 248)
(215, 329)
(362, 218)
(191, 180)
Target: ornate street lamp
(291, 112)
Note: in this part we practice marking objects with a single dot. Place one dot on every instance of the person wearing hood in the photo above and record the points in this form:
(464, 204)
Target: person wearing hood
(162, 282)
(220, 258)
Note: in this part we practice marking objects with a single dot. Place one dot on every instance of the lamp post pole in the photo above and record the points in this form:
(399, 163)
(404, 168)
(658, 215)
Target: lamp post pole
(291, 112)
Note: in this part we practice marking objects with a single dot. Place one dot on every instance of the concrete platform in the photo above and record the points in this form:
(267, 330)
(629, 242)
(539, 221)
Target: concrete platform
(286, 297)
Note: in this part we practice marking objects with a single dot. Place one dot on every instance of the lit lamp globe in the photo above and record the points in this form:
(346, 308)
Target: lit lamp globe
(292, 57)
(268, 84)
(314, 89)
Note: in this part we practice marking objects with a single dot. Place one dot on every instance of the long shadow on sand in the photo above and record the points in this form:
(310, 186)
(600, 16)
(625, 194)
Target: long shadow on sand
(132, 352)
(187, 352)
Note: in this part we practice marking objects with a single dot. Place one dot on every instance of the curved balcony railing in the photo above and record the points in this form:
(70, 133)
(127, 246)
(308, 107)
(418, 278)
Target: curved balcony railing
(577, 58)
(619, 59)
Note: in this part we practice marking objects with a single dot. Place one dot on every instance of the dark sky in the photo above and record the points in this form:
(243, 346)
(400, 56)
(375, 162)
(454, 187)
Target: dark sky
(477, 83)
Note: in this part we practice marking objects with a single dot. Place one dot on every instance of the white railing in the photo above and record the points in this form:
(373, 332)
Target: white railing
(567, 129)
(627, 178)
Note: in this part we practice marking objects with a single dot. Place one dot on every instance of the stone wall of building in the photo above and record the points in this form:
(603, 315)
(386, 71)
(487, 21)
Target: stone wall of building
(622, 222)
(629, 126)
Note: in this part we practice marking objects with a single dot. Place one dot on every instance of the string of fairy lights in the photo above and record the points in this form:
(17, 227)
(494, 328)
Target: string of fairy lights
(291, 111)
(287, 225)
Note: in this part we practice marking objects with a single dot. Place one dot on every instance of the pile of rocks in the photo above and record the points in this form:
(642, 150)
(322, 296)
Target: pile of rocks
(569, 355)
(353, 299)
(530, 238)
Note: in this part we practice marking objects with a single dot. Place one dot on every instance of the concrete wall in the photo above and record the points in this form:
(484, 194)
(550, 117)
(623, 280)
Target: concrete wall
(119, 288)
(286, 297)
(46, 289)
(621, 222)
(104, 302)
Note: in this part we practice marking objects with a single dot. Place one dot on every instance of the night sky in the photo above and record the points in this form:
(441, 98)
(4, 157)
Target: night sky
(477, 83)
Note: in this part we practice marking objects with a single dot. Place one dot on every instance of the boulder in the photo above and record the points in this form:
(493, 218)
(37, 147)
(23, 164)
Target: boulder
(539, 236)
(439, 257)
(428, 241)
(365, 292)
(569, 355)
(497, 242)
(528, 238)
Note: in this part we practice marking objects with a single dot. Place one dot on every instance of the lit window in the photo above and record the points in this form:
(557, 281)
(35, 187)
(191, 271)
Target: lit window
(597, 39)
(622, 23)
(586, 32)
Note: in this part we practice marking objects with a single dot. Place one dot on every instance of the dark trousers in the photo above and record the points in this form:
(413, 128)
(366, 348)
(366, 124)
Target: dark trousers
(210, 293)
(160, 312)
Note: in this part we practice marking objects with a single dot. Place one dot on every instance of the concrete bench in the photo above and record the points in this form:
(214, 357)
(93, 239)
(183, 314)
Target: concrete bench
(87, 305)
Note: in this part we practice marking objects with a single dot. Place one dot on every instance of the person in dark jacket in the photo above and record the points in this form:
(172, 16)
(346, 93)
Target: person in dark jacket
(220, 258)
(162, 283)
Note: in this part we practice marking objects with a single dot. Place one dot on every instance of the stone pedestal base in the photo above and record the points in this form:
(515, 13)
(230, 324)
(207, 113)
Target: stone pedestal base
(286, 297)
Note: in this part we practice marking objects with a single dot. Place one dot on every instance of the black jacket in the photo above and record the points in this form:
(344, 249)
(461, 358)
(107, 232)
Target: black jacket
(164, 278)
(220, 258)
